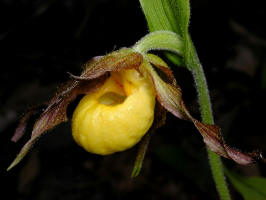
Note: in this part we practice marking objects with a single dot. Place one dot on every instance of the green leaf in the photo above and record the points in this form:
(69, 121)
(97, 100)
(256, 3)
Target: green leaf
(171, 15)
(250, 188)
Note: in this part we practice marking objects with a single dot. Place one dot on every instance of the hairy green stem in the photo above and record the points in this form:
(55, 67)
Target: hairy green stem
(166, 40)
(193, 64)
(207, 117)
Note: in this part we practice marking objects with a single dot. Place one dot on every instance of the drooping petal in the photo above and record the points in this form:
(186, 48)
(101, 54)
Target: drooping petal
(55, 113)
(65, 90)
(170, 97)
(212, 137)
(93, 76)
(62, 92)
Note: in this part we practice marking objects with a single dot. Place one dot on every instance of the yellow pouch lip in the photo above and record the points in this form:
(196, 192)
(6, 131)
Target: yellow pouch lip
(128, 83)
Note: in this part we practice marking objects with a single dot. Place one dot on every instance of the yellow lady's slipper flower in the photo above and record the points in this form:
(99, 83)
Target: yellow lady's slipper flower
(115, 117)
(118, 108)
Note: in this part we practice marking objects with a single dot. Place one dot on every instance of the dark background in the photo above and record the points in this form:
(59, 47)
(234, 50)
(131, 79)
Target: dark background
(41, 40)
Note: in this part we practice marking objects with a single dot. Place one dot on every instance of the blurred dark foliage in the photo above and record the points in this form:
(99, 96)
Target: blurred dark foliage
(41, 40)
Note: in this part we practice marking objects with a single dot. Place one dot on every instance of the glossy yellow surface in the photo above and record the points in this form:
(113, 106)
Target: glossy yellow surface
(117, 116)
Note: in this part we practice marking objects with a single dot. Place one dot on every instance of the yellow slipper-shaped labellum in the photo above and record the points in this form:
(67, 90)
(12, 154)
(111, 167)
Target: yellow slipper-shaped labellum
(116, 116)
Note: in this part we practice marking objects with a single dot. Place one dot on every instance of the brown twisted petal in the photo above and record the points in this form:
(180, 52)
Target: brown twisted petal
(91, 79)
(170, 97)
(54, 114)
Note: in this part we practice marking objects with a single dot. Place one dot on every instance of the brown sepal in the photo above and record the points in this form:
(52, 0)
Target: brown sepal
(170, 97)
(115, 61)
(159, 121)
